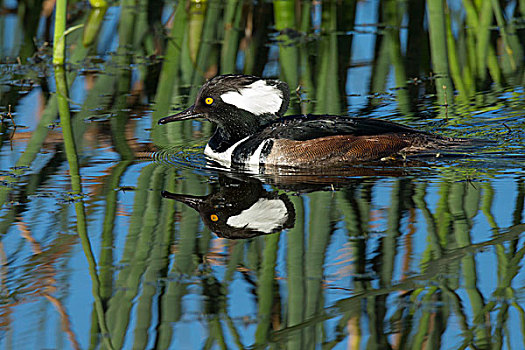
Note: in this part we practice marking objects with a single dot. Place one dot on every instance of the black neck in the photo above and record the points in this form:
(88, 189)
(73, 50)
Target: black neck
(237, 128)
(221, 141)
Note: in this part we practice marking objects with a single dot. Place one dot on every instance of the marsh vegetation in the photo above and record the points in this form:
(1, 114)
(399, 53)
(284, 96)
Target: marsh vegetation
(426, 253)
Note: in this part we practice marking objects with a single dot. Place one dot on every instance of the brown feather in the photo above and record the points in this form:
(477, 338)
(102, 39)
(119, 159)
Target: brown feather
(332, 150)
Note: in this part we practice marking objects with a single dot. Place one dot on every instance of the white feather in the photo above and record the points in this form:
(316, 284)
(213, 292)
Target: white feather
(265, 216)
(225, 158)
(257, 98)
(255, 158)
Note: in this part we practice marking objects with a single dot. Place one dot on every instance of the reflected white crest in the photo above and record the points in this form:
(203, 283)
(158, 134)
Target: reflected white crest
(265, 216)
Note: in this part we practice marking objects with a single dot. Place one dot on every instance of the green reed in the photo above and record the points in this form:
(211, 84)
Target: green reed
(169, 80)
(296, 274)
(236, 249)
(284, 17)
(327, 87)
(138, 249)
(192, 51)
(438, 48)
(232, 30)
(464, 88)
(354, 206)
(59, 39)
(319, 231)
(93, 25)
(72, 159)
(266, 287)
(157, 263)
(201, 58)
(392, 36)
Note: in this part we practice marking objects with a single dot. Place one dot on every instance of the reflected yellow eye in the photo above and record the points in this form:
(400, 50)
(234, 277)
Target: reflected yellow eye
(214, 217)
(208, 100)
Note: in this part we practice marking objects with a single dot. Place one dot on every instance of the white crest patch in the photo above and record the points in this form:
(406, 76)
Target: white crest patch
(265, 216)
(257, 98)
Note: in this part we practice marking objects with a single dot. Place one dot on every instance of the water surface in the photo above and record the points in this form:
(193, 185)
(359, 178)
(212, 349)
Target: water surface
(99, 249)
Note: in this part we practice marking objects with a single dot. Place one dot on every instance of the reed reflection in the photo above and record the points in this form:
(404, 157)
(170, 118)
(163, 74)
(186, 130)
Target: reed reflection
(413, 255)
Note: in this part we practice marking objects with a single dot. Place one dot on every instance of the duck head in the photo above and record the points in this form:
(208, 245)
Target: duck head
(237, 103)
(241, 209)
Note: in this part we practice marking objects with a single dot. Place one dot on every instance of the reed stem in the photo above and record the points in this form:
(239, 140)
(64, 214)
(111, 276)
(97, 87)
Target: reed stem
(59, 45)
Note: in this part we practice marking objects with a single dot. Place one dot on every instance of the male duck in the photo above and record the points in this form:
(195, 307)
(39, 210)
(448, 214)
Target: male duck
(251, 129)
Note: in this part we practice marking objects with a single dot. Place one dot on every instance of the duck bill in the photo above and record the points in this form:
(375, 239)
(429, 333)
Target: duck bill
(184, 115)
(191, 201)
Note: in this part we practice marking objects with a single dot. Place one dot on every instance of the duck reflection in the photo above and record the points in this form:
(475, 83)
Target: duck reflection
(241, 208)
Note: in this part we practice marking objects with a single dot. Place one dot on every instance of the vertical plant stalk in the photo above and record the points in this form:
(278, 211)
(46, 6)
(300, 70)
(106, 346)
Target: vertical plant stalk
(122, 82)
(393, 20)
(296, 277)
(354, 207)
(460, 201)
(284, 16)
(131, 278)
(59, 41)
(167, 300)
(328, 94)
(438, 49)
(156, 263)
(434, 249)
(390, 244)
(482, 54)
(417, 41)
(257, 28)
(320, 229)
(455, 69)
(72, 159)
(236, 249)
(265, 288)
(424, 323)
(483, 38)
(98, 3)
(305, 71)
(207, 39)
(512, 48)
(380, 68)
(380, 63)
(230, 46)
(93, 25)
(169, 80)
(106, 261)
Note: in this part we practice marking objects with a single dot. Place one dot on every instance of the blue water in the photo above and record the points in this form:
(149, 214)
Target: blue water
(396, 253)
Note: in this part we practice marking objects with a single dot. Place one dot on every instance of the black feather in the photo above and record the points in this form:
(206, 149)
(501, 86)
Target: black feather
(307, 127)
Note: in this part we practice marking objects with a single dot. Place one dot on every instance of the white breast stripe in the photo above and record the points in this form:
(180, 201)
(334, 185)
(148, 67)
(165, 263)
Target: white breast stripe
(225, 158)
(257, 98)
(255, 158)
(265, 216)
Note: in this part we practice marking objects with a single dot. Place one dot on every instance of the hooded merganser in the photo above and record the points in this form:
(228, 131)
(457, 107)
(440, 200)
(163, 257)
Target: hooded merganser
(251, 129)
(241, 208)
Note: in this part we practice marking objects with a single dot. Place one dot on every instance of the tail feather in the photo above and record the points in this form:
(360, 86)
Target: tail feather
(426, 143)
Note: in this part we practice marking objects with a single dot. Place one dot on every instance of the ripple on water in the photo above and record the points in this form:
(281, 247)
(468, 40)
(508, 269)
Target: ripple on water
(190, 157)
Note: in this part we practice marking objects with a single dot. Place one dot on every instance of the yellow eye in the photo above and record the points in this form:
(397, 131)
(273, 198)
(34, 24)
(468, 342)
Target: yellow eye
(214, 217)
(208, 100)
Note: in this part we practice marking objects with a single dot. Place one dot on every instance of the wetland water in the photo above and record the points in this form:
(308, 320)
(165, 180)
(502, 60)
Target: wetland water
(98, 249)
